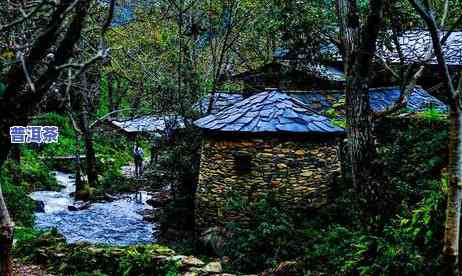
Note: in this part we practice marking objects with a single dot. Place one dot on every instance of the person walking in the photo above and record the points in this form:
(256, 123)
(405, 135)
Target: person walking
(138, 155)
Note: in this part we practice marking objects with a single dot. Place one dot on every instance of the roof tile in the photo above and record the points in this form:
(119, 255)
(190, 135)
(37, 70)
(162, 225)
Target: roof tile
(269, 111)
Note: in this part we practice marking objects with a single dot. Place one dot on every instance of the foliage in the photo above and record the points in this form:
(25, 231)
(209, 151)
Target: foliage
(180, 161)
(112, 152)
(20, 205)
(414, 152)
(32, 175)
(35, 174)
(66, 141)
(408, 245)
(160, 53)
(339, 122)
(337, 113)
(23, 234)
(269, 231)
(181, 155)
(51, 249)
(432, 114)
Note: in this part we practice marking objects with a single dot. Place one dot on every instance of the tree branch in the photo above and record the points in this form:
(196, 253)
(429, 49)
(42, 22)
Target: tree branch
(25, 16)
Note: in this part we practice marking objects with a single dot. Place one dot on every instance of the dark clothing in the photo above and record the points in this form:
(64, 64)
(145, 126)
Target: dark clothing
(138, 166)
(138, 156)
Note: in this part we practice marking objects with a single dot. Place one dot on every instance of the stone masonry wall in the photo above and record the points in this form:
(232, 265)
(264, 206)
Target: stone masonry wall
(300, 172)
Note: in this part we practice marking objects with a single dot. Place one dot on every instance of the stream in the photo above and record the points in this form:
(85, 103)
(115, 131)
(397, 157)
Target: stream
(113, 223)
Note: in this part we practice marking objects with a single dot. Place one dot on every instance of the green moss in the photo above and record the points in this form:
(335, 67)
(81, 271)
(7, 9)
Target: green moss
(432, 114)
(331, 113)
(50, 249)
(339, 122)
(23, 234)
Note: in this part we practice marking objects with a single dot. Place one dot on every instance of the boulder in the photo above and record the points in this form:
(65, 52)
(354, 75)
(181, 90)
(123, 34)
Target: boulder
(191, 261)
(159, 199)
(80, 207)
(151, 215)
(72, 208)
(39, 206)
(188, 263)
(212, 267)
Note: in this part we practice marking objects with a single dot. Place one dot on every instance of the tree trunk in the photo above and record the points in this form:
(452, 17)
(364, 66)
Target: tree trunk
(15, 155)
(360, 46)
(16, 107)
(452, 230)
(90, 157)
(6, 240)
(361, 148)
(137, 100)
(92, 171)
(78, 176)
(6, 224)
(110, 92)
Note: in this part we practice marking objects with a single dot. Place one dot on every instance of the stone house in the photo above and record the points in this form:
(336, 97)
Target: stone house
(269, 142)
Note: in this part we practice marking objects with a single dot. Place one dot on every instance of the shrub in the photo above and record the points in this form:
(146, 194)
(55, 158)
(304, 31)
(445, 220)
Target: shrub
(35, 174)
(50, 249)
(23, 234)
(269, 231)
(20, 205)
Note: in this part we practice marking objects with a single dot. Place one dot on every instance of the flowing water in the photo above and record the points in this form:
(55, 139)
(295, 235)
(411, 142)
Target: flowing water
(114, 223)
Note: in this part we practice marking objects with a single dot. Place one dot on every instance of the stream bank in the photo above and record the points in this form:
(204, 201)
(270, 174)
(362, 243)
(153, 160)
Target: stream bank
(51, 250)
(116, 222)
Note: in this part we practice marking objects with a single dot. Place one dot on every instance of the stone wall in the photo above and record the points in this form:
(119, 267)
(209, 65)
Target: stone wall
(299, 171)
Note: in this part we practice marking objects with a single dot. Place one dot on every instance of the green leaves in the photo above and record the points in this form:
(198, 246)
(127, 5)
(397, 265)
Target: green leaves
(2, 89)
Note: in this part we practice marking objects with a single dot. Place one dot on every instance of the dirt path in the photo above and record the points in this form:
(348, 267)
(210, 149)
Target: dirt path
(28, 270)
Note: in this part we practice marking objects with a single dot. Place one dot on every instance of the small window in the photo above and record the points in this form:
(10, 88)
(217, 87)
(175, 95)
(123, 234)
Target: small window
(242, 162)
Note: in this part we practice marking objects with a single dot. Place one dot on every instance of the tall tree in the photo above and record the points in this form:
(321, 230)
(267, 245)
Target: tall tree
(42, 36)
(452, 229)
(359, 42)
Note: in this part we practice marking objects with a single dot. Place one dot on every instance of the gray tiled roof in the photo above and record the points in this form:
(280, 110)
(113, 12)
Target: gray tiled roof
(414, 46)
(269, 111)
(220, 102)
(150, 123)
(324, 72)
(379, 99)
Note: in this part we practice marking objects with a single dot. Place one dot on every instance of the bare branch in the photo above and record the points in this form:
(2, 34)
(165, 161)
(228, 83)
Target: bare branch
(445, 14)
(102, 53)
(20, 56)
(425, 13)
(385, 64)
(25, 16)
(15, 78)
(102, 118)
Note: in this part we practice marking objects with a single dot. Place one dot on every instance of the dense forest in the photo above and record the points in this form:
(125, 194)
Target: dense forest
(230, 137)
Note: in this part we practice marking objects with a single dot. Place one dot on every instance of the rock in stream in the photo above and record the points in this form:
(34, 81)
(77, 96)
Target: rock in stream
(116, 223)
